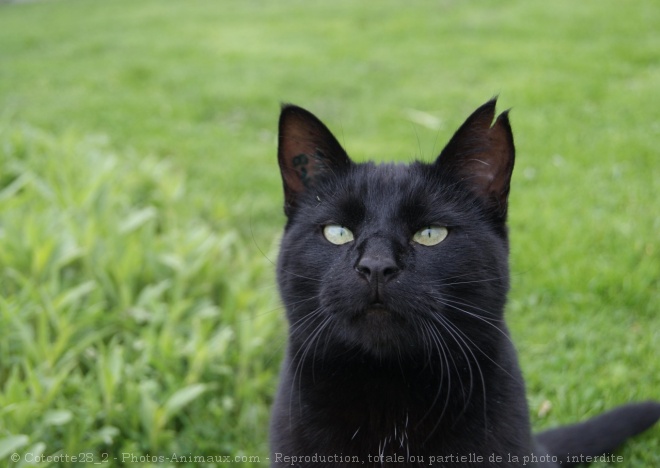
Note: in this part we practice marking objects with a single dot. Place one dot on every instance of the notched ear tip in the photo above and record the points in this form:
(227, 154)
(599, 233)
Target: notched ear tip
(482, 118)
(503, 125)
(482, 154)
(491, 104)
(504, 116)
(487, 112)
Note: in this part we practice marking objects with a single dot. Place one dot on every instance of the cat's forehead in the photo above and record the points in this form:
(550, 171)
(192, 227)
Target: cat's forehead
(383, 190)
(390, 171)
(387, 175)
(379, 193)
(388, 182)
(381, 198)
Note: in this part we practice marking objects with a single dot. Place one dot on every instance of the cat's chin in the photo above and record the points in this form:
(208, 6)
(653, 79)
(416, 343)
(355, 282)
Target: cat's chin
(377, 330)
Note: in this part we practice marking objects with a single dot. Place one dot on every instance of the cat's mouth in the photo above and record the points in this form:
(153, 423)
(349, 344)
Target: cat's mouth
(378, 329)
(377, 308)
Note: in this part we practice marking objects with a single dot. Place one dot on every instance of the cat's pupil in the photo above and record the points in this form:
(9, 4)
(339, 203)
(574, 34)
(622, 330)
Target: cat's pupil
(337, 235)
(431, 235)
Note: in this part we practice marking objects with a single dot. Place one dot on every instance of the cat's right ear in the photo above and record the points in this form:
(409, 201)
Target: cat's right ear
(306, 150)
(481, 154)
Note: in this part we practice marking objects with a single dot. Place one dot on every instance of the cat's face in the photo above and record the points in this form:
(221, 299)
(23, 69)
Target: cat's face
(394, 259)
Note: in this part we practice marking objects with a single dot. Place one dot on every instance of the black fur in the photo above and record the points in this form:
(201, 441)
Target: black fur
(398, 352)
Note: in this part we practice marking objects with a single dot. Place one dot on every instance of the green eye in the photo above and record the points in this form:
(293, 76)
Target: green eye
(338, 235)
(431, 235)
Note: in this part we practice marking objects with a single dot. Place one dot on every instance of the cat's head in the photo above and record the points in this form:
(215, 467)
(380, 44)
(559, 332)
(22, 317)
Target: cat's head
(394, 259)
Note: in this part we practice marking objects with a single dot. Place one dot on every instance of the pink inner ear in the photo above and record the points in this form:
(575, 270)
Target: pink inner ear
(306, 149)
(300, 168)
(499, 158)
(483, 156)
(485, 160)
(482, 172)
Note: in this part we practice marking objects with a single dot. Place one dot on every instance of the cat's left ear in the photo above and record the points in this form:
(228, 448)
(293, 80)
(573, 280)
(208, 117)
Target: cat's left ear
(306, 150)
(481, 153)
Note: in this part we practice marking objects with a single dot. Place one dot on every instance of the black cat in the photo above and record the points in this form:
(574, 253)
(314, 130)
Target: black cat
(394, 279)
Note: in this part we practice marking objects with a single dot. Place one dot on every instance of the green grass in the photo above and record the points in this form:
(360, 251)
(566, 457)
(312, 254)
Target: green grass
(140, 201)
(126, 316)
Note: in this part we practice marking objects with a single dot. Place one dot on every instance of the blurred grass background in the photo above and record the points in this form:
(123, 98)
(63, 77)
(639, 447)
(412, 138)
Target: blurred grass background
(140, 200)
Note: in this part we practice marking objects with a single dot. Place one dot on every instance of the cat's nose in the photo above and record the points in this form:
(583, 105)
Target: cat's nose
(377, 269)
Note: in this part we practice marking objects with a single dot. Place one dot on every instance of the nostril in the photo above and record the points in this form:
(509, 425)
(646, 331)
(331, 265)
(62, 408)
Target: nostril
(364, 270)
(389, 271)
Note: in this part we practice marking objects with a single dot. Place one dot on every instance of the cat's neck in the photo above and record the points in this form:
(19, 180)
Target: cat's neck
(439, 387)
(360, 401)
